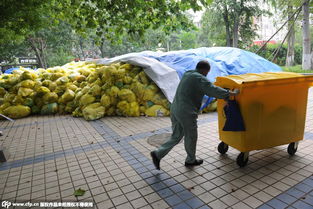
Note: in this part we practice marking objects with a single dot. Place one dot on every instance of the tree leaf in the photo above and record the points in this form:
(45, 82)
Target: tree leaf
(79, 192)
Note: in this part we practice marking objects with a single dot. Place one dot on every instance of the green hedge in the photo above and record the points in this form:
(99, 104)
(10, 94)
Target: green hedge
(281, 57)
(296, 69)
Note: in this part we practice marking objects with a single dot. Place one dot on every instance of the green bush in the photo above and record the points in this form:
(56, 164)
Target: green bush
(59, 58)
(268, 53)
(296, 69)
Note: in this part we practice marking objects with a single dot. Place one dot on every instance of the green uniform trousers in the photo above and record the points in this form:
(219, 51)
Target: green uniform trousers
(185, 125)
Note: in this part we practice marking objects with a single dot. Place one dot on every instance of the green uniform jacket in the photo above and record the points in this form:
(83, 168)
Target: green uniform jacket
(190, 91)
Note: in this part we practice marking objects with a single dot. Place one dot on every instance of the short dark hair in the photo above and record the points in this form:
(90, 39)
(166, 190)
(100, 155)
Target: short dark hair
(203, 65)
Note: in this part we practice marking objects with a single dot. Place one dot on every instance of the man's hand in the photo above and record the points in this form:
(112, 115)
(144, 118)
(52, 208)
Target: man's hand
(235, 92)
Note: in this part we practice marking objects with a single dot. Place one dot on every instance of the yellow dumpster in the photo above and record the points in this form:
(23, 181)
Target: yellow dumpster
(273, 107)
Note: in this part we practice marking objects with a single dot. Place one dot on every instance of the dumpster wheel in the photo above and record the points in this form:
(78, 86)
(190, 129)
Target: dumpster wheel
(242, 159)
(222, 148)
(292, 148)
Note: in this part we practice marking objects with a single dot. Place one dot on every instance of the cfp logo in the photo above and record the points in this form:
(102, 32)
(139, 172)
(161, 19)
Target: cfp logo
(6, 204)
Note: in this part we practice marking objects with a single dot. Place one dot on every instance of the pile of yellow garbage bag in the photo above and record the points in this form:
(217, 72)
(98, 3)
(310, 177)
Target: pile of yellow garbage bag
(82, 89)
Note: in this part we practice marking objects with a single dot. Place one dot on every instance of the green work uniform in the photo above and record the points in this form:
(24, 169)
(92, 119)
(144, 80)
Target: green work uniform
(184, 112)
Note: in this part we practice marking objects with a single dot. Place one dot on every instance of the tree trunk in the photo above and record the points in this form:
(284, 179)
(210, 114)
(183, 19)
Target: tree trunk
(38, 46)
(306, 55)
(235, 33)
(81, 45)
(168, 45)
(291, 39)
(238, 13)
(227, 26)
(102, 48)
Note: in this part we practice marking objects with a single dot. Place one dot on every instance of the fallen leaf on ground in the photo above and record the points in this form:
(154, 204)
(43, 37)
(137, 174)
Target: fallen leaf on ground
(79, 192)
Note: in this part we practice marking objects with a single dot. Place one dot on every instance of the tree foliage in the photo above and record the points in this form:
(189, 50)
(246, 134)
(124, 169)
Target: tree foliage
(107, 17)
(235, 17)
(127, 16)
(33, 21)
(212, 31)
(19, 18)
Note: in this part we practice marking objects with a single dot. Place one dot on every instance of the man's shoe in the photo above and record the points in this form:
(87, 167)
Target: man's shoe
(155, 160)
(197, 162)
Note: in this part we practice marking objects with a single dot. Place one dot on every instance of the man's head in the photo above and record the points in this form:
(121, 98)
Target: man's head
(203, 67)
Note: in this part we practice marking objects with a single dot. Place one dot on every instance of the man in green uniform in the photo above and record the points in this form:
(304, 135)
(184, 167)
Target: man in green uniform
(184, 112)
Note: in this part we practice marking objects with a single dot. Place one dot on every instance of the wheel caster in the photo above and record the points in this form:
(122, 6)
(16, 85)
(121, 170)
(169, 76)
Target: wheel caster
(292, 148)
(222, 148)
(242, 159)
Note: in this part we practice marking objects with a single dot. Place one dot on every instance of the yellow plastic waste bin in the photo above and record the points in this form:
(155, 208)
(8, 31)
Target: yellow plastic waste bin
(273, 107)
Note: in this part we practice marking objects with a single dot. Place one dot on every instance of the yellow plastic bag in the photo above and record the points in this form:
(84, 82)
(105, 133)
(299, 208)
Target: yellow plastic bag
(127, 79)
(160, 99)
(83, 84)
(18, 99)
(126, 66)
(111, 111)
(114, 100)
(123, 107)
(27, 84)
(152, 87)
(211, 107)
(105, 101)
(39, 102)
(77, 112)
(67, 96)
(28, 102)
(106, 75)
(72, 87)
(86, 100)
(133, 109)
(148, 94)
(119, 83)
(93, 76)
(126, 94)
(50, 97)
(70, 107)
(60, 90)
(24, 92)
(55, 76)
(138, 89)
(42, 91)
(4, 106)
(93, 111)
(9, 82)
(80, 78)
(142, 109)
(8, 97)
(18, 111)
(2, 92)
(113, 91)
(46, 83)
(143, 78)
(52, 86)
(28, 75)
(84, 71)
(120, 73)
(48, 109)
(156, 111)
(95, 90)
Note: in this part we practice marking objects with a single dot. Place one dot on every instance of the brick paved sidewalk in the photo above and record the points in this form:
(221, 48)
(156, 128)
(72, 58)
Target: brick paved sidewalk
(52, 156)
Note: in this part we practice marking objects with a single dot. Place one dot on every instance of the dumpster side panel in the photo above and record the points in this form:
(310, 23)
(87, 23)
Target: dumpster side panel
(273, 115)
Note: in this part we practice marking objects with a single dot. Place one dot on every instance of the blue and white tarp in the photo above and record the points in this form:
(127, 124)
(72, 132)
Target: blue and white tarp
(167, 68)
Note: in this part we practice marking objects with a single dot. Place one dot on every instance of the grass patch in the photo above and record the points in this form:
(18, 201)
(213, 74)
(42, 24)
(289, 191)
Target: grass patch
(296, 69)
